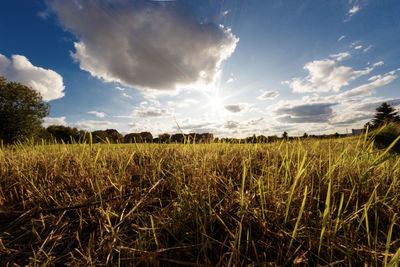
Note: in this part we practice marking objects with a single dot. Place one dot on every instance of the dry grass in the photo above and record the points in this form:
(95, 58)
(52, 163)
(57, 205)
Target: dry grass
(298, 202)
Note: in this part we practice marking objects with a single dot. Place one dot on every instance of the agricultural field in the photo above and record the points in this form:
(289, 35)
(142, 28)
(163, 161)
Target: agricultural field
(299, 202)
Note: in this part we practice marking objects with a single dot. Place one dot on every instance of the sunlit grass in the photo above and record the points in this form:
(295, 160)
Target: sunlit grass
(301, 201)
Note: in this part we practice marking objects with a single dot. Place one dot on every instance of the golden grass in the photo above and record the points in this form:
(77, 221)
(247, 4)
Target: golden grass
(293, 202)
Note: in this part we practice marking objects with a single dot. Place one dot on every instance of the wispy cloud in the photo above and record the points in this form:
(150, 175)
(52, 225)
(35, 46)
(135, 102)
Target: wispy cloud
(126, 95)
(340, 56)
(367, 48)
(97, 114)
(94, 125)
(353, 10)
(268, 95)
(379, 63)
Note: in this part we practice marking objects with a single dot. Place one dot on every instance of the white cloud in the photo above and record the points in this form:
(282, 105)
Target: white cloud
(341, 37)
(231, 124)
(188, 102)
(224, 13)
(151, 113)
(340, 56)
(380, 63)
(235, 108)
(358, 47)
(369, 88)
(147, 111)
(367, 48)
(54, 121)
(126, 95)
(353, 10)
(98, 114)
(47, 82)
(373, 78)
(324, 76)
(120, 88)
(268, 95)
(231, 80)
(94, 125)
(146, 45)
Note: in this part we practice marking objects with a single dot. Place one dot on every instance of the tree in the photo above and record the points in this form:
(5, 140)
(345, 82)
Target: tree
(164, 138)
(21, 111)
(114, 136)
(385, 114)
(285, 135)
(65, 133)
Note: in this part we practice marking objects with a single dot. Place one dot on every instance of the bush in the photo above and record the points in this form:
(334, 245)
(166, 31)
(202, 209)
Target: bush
(386, 135)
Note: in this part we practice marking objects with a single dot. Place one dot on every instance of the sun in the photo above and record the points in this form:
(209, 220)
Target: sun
(215, 102)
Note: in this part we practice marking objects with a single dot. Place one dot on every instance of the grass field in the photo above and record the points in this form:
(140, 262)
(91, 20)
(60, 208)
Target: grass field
(292, 202)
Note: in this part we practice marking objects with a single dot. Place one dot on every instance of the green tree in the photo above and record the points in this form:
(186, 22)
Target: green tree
(65, 133)
(285, 135)
(21, 111)
(385, 114)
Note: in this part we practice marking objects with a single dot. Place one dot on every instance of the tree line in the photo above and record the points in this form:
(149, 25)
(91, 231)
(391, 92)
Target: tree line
(22, 110)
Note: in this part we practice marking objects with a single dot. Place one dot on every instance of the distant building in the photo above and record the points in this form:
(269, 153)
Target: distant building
(356, 131)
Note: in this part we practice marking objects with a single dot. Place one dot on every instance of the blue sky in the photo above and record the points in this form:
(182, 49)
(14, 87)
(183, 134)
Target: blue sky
(233, 68)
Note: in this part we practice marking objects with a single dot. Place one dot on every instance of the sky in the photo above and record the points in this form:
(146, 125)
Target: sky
(232, 68)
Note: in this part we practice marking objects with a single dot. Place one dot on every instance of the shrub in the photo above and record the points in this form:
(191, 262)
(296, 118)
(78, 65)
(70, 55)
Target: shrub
(386, 135)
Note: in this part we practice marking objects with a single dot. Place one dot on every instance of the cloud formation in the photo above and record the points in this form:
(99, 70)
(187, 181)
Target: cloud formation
(151, 112)
(268, 95)
(231, 124)
(368, 88)
(353, 10)
(148, 110)
(97, 114)
(94, 125)
(324, 76)
(340, 56)
(307, 113)
(19, 69)
(54, 121)
(379, 63)
(235, 108)
(145, 45)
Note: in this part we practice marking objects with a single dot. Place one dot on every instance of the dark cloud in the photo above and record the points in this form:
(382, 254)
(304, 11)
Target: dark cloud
(235, 108)
(308, 113)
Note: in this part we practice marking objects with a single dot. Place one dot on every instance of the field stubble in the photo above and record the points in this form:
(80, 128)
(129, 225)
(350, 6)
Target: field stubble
(303, 202)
